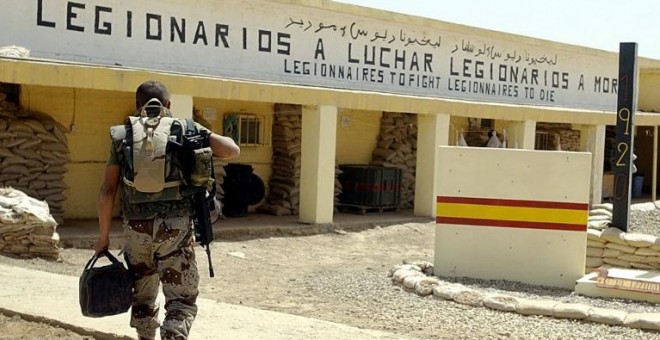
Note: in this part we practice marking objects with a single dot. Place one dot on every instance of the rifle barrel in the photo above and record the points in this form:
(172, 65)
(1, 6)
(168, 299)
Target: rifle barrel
(208, 254)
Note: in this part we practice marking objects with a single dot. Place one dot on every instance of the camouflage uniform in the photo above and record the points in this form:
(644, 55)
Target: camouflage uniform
(162, 250)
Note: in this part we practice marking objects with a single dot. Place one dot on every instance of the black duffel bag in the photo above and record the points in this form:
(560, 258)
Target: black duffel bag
(106, 290)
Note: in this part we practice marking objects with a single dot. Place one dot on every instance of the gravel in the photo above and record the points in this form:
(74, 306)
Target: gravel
(643, 220)
(343, 278)
(404, 312)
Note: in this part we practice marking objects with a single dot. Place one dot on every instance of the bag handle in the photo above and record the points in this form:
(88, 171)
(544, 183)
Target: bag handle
(104, 252)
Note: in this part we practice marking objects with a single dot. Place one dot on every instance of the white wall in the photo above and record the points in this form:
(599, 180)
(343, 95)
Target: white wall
(303, 42)
(516, 215)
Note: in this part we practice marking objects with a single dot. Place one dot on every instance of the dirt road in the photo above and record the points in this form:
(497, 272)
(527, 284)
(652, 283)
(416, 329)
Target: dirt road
(342, 277)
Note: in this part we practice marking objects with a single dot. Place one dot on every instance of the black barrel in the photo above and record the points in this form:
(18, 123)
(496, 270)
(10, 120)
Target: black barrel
(236, 186)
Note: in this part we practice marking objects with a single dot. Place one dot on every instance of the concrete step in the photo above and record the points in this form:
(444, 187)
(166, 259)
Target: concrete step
(630, 284)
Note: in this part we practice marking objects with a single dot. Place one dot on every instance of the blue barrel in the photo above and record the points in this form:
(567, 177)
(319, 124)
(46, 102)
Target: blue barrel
(638, 182)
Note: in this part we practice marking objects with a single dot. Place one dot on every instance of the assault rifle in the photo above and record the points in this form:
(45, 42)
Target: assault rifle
(203, 227)
(202, 203)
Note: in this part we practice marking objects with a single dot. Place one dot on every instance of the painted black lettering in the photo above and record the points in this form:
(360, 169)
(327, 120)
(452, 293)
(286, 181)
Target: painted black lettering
(371, 61)
(555, 79)
(283, 43)
(606, 85)
(245, 34)
(581, 83)
(320, 50)
(200, 33)
(466, 68)
(414, 63)
(129, 24)
(102, 27)
(221, 33)
(479, 69)
(597, 85)
(151, 18)
(524, 79)
(286, 66)
(502, 73)
(350, 55)
(70, 15)
(177, 29)
(265, 45)
(399, 60)
(428, 59)
(451, 67)
(513, 74)
(40, 15)
(383, 51)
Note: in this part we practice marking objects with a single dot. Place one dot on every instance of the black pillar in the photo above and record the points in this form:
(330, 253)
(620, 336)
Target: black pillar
(625, 134)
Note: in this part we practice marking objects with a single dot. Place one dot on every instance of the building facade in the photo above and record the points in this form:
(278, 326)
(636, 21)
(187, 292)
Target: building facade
(322, 82)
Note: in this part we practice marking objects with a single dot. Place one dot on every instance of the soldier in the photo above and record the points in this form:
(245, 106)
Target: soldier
(157, 216)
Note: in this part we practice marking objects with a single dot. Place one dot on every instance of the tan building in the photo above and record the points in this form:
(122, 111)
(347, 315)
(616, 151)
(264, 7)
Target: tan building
(315, 82)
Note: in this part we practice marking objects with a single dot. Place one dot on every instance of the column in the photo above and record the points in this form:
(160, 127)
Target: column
(595, 143)
(522, 135)
(182, 105)
(528, 138)
(433, 131)
(317, 173)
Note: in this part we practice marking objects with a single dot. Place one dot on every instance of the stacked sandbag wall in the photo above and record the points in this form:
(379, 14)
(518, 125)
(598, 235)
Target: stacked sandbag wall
(27, 229)
(338, 187)
(568, 138)
(220, 174)
(622, 250)
(284, 185)
(476, 137)
(613, 247)
(397, 147)
(33, 155)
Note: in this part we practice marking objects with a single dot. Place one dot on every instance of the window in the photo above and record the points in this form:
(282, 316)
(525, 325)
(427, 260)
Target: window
(246, 130)
(487, 123)
(542, 141)
(250, 130)
(12, 91)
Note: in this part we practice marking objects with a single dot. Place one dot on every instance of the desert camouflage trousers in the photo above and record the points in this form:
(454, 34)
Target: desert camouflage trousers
(161, 251)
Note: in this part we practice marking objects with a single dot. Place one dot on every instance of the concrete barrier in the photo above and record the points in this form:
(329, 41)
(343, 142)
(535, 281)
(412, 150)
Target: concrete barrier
(515, 215)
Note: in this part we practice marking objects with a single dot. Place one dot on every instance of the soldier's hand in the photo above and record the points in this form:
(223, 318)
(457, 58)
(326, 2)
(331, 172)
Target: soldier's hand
(101, 244)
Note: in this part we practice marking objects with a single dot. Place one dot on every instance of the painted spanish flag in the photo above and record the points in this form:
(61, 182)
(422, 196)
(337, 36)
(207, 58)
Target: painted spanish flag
(512, 213)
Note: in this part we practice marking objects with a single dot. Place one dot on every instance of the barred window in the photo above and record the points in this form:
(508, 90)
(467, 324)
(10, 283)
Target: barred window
(245, 129)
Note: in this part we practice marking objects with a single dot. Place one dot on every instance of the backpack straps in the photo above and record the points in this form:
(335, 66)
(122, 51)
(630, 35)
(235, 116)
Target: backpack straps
(122, 142)
(191, 128)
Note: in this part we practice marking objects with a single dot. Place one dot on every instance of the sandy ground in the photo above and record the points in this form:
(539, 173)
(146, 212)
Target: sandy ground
(339, 277)
(274, 273)
(16, 328)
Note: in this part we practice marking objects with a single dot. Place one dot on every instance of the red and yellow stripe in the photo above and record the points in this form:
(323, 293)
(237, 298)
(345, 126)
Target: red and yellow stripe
(512, 213)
